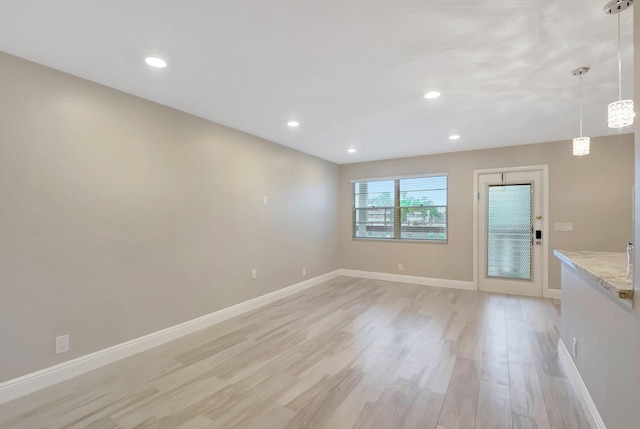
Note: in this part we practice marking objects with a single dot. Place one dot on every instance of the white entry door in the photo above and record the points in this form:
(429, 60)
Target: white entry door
(510, 231)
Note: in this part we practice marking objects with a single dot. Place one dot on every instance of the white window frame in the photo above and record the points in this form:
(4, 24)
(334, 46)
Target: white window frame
(397, 209)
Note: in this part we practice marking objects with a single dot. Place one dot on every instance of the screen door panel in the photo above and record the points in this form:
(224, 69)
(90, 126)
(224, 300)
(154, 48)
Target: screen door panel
(509, 226)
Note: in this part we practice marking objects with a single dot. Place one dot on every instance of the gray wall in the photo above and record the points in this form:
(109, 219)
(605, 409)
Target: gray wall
(593, 192)
(120, 217)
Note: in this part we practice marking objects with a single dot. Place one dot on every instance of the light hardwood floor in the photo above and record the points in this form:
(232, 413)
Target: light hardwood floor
(351, 353)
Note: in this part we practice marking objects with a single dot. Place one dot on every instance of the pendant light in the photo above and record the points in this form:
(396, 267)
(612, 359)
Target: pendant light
(620, 113)
(581, 145)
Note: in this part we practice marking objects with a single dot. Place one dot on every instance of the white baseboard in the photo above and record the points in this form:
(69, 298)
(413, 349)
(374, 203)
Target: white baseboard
(29, 383)
(552, 293)
(585, 398)
(426, 281)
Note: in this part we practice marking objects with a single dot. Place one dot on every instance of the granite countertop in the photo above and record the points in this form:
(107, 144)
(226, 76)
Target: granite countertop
(607, 269)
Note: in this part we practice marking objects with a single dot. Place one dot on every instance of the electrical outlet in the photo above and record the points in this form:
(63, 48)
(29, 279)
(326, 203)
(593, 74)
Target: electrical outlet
(304, 272)
(62, 344)
(400, 267)
(265, 200)
(254, 274)
(575, 348)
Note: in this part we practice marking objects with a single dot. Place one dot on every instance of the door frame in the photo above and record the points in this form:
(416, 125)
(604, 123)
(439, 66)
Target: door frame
(546, 292)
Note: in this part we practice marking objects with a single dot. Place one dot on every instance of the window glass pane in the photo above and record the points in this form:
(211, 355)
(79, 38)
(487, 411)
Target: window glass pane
(374, 194)
(424, 223)
(423, 202)
(373, 223)
(509, 232)
(427, 191)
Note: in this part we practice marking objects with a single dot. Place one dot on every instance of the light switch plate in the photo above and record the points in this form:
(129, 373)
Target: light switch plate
(563, 226)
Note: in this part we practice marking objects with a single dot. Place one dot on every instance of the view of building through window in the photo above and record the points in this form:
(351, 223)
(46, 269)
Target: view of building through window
(413, 208)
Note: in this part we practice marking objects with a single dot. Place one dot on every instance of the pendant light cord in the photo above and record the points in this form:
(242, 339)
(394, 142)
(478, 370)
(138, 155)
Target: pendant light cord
(619, 63)
(580, 77)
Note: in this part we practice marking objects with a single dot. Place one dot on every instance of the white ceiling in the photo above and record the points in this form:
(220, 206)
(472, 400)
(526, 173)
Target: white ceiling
(352, 72)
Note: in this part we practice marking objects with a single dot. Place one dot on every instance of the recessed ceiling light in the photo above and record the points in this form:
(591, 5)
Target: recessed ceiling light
(352, 150)
(156, 62)
(293, 124)
(454, 137)
(431, 95)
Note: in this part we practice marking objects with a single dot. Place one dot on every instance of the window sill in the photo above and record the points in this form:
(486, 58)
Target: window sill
(404, 240)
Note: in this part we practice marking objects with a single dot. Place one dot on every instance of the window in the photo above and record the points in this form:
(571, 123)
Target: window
(411, 208)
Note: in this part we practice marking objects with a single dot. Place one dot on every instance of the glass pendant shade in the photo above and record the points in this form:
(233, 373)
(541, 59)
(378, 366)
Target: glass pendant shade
(620, 114)
(581, 146)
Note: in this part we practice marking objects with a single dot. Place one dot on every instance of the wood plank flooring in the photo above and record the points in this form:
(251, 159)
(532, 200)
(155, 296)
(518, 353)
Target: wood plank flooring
(351, 353)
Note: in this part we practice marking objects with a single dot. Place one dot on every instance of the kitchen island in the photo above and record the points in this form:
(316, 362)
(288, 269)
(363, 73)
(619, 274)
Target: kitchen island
(599, 336)
(607, 270)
